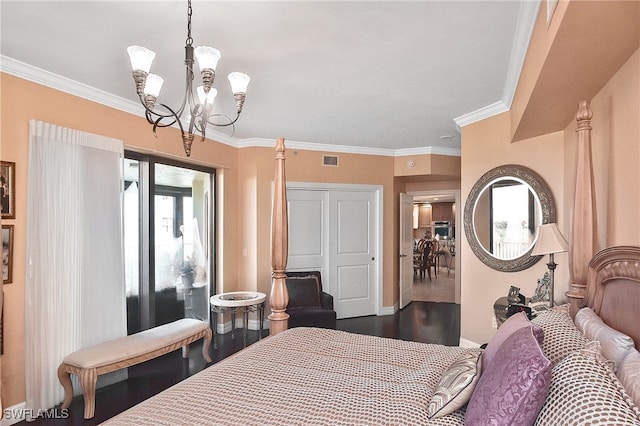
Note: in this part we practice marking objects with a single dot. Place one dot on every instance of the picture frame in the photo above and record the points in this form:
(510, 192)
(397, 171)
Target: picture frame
(7, 254)
(8, 189)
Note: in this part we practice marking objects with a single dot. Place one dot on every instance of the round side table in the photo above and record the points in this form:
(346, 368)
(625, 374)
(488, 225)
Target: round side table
(247, 301)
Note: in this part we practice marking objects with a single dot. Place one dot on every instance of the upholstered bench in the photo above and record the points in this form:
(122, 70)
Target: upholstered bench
(88, 363)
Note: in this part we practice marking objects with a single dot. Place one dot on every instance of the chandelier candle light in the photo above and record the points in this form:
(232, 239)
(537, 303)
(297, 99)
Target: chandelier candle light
(198, 112)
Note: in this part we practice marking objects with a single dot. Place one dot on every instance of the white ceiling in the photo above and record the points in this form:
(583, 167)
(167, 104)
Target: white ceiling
(361, 76)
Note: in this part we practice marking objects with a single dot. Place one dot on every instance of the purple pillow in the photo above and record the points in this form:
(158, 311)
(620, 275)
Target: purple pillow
(513, 388)
(511, 325)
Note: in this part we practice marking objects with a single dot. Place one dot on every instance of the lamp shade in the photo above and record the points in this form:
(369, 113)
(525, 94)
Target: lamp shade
(207, 57)
(207, 98)
(141, 58)
(153, 85)
(550, 240)
(239, 82)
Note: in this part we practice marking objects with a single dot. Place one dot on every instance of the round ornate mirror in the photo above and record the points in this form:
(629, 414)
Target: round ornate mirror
(502, 214)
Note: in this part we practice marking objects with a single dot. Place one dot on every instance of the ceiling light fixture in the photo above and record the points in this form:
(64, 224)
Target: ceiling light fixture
(198, 109)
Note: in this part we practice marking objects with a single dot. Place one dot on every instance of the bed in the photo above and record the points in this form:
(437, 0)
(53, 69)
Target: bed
(548, 371)
(311, 376)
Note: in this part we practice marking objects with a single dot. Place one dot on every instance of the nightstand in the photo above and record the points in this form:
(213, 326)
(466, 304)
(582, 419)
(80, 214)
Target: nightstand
(500, 309)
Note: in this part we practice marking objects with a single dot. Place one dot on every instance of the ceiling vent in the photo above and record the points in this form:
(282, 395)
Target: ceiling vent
(330, 160)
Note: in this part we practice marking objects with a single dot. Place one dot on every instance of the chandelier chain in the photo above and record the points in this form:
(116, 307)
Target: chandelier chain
(189, 40)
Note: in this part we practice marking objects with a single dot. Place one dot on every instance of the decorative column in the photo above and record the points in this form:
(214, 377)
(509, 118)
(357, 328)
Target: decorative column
(279, 298)
(583, 236)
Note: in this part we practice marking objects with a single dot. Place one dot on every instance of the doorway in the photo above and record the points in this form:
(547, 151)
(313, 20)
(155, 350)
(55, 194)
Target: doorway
(168, 241)
(436, 215)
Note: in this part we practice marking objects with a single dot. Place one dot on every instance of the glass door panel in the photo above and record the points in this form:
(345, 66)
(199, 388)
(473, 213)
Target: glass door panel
(132, 243)
(182, 281)
(167, 225)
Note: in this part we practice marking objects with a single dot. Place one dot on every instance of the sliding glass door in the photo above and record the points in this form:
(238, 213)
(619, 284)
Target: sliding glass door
(168, 241)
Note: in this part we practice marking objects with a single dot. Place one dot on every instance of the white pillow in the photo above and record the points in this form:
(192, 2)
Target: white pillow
(615, 345)
(629, 375)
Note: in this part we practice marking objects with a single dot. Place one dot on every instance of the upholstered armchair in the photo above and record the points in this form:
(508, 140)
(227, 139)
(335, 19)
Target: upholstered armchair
(308, 305)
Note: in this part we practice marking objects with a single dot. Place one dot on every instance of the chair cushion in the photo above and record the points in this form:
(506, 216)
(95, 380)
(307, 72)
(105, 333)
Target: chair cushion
(306, 316)
(127, 347)
(303, 291)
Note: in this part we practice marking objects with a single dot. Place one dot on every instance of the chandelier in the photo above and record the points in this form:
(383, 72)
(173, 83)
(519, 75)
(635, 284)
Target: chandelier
(197, 111)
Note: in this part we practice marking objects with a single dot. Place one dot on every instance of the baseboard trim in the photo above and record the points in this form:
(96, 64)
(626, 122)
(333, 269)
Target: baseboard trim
(14, 414)
(464, 343)
(389, 310)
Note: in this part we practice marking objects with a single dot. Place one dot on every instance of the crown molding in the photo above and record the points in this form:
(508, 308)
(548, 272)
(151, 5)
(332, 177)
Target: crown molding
(481, 114)
(347, 149)
(46, 78)
(524, 30)
(37, 75)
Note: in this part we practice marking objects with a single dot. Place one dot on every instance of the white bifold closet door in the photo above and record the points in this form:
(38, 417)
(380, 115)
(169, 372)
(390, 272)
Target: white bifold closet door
(336, 231)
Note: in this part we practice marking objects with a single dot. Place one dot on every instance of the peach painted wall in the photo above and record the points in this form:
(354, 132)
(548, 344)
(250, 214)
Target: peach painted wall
(245, 178)
(306, 166)
(21, 101)
(485, 145)
(421, 165)
(615, 151)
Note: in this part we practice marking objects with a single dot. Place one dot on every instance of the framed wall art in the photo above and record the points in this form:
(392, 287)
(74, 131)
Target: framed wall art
(8, 189)
(7, 254)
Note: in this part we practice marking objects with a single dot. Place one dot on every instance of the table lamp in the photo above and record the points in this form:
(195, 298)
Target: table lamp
(550, 241)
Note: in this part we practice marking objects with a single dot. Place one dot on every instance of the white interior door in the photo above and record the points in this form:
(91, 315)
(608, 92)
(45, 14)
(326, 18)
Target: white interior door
(352, 252)
(336, 231)
(406, 249)
(308, 233)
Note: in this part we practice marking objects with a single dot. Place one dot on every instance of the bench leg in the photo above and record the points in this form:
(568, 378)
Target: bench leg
(185, 351)
(206, 341)
(88, 379)
(65, 381)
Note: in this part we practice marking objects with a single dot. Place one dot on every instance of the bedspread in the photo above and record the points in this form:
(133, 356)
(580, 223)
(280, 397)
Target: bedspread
(309, 376)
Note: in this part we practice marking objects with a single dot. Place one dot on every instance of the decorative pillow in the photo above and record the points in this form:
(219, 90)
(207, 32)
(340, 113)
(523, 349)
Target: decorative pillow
(561, 337)
(614, 344)
(584, 391)
(629, 375)
(512, 324)
(303, 291)
(514, 386)
(456, 385)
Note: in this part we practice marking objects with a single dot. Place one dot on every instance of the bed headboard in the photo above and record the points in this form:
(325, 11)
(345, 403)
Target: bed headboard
(613, 289)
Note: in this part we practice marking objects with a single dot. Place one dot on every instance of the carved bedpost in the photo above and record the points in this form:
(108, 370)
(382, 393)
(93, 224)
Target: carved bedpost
(279, 297)
(583, 244)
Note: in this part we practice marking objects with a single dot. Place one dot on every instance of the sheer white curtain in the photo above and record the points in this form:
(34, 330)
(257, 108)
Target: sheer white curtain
(75, 267)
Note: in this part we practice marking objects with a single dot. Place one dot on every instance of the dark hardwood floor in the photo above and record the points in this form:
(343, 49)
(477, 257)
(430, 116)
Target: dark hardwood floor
(426, 322)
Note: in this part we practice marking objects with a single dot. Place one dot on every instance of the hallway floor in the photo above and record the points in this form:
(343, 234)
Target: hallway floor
(440, 289)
